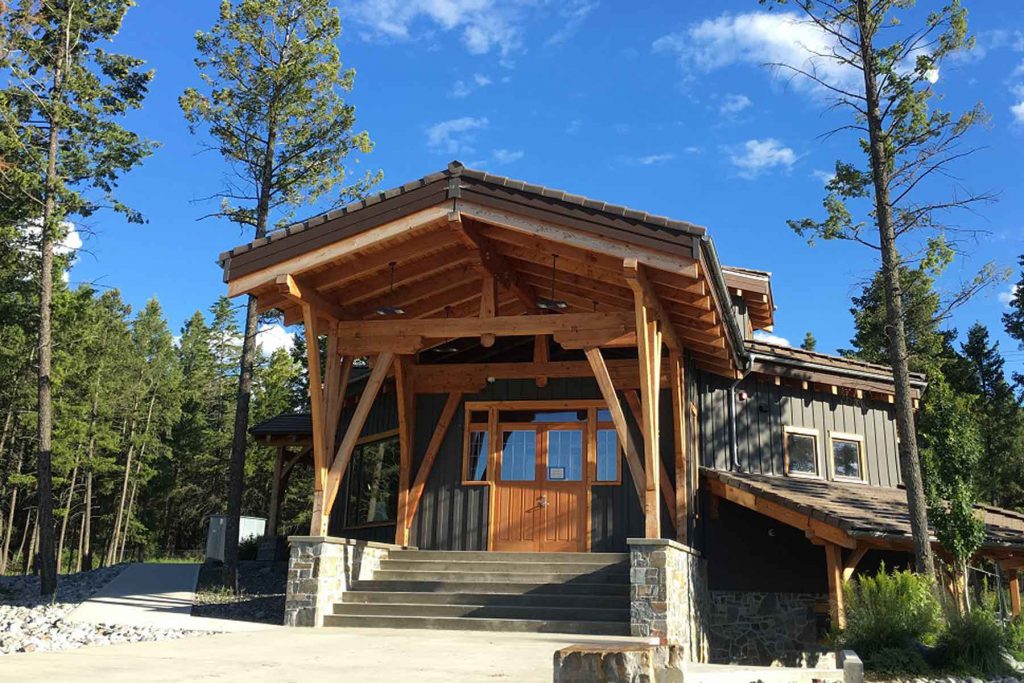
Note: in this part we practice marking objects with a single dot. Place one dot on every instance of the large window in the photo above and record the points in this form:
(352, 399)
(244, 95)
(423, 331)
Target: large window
(527, 440)
(847, 456)
(801, 452)
(373, 483)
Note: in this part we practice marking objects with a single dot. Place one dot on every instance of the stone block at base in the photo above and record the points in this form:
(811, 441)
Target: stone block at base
(321, 569)
(668, 596)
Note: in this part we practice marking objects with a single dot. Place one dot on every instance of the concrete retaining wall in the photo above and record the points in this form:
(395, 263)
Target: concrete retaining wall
(321, 569)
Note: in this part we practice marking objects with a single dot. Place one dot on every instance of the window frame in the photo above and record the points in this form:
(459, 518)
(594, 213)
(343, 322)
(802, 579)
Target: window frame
(362, 442)
(861, 458)
(801, 431)
(589, 427)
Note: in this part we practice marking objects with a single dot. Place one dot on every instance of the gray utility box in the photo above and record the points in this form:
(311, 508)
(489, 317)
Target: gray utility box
(248, 527)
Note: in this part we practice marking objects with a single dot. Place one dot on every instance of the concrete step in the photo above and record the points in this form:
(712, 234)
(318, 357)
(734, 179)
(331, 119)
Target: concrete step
(502, 567)
(519, 558)
(508, 588)
(608, 628)
(616, 577)
(496, 599)
(620, 615)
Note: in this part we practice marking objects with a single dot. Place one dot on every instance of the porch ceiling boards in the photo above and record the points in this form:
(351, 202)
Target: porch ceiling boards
(874, 515)
(450, 232)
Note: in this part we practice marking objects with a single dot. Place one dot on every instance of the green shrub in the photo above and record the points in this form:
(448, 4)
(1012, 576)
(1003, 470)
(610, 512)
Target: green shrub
(249, 547)
(1015, 638)
(974, 643)
(890, 610)
(895, 662)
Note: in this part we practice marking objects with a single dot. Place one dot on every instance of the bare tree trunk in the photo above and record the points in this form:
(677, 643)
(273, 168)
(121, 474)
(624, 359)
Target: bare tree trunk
(67, 514)
(115, 534)
(29, 563)
(4, 553)
(26, 534)
(85, 554)
(128, 517)
(910, 465)
(81, 542)
(121, 528)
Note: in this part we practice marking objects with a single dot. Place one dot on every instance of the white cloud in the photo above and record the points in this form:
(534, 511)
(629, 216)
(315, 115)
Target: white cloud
(758, 156)
(274, 337)
(734, 104)
(481, 80)
(652, 159)
(1017, 109)
(574, 127)
(767, 338)
(71, 242)
(825, 177)
(454, 136)
(462, 88)
(484, 24)
(1006, 298)
(459, 89)
(757, 38)
(506, 156)
(573, 13)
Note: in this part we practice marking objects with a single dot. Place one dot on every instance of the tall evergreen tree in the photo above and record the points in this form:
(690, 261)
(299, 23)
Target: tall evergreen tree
(1013, 320)
(61, 108)
(907, 146)
(1000, 419)
(809, 343)
(272, 103)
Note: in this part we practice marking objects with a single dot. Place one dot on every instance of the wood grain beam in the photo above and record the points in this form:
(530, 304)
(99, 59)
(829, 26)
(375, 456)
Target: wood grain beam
(611, 399)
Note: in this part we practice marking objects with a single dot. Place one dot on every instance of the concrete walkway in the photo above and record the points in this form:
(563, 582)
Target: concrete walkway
(155, 596)
(302, 654)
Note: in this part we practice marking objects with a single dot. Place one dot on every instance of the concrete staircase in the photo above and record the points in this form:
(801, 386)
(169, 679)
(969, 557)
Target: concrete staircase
(493, 591)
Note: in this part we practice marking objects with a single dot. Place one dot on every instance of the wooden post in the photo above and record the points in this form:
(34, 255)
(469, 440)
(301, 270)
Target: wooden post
(321, 450)
(1014, 586)
(406, 400)
(488, 306)
(541, 354)
(648, 345)
(834, 566)
(275, 494)
(677, 380)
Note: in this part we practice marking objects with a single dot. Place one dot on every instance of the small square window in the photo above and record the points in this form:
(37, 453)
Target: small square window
(846, 458)
(801, 452)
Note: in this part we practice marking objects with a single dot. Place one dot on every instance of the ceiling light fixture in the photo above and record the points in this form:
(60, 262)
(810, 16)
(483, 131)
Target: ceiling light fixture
(552, 304)
(391, 310)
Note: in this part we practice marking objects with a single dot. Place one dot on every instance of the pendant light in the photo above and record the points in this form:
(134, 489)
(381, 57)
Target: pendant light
(391, 310)
(449, 347)
(552, 304)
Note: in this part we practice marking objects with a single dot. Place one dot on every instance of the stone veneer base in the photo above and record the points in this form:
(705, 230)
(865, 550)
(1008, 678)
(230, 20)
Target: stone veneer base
(321, 569)
(668, 595)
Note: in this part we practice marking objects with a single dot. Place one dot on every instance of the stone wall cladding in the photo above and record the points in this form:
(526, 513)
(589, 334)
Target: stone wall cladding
(751, 627)
(321, 569)
(668, 596)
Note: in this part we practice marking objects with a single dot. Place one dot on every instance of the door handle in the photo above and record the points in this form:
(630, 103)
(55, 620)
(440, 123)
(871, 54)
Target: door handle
(542, 501)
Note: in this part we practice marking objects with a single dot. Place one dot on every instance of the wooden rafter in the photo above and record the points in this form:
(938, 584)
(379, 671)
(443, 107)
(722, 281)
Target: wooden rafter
(851, 563)
(420, 483)
(607, 386)
(472, 377)
(491, 262)
(413, 277)
(636, 276)
(306, 296)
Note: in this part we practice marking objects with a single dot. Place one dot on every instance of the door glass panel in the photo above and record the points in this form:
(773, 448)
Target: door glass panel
(477, 456)
(604, 415)
(518, 455)
(565, 455)
(537, 416)
(607, 455)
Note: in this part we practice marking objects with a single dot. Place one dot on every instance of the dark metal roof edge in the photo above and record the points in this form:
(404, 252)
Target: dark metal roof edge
(733, 332)
(846, 372)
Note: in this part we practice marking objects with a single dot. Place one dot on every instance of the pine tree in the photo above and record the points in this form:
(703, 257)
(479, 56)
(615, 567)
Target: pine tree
(1013, 320)
(273, 105)
(809, 343)
(1000, 419)
(62, 102)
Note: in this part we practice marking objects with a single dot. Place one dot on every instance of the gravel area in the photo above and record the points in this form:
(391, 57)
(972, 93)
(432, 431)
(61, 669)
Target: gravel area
(261, 593)
(28, 624)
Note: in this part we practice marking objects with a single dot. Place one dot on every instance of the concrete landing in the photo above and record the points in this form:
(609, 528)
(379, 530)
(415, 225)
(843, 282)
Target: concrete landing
(154, 596)
(303, 654)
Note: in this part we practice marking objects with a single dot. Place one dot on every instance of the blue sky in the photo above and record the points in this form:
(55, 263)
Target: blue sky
(662, 106)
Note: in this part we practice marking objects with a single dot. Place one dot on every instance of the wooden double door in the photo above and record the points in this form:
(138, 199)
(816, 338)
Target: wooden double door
(540, 488)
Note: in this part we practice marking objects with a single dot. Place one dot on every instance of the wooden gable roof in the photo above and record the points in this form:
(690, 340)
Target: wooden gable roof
(446, 231)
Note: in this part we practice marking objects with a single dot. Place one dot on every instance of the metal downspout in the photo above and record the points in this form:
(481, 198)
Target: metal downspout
(734, 451)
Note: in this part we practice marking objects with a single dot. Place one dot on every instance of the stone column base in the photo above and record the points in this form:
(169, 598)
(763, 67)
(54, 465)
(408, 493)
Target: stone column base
(668, 595)
(321, 569)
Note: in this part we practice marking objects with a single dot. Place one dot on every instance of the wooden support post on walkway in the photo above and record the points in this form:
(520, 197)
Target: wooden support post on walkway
(677, 385)
(834, 566)
(668, 494)
(275, 494)
(406, 400)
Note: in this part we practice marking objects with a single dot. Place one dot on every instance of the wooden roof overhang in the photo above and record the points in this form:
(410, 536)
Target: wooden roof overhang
(755, 288)
(829, 374)
(852, 515)
(450, 232)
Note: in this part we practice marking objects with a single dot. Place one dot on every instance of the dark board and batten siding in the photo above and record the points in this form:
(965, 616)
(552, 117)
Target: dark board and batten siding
(769, 408)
